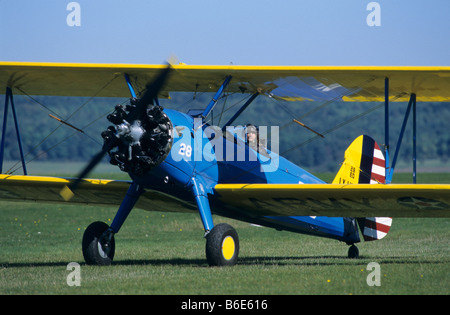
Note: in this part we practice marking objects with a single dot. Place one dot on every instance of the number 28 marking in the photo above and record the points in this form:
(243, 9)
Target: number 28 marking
(185, 150)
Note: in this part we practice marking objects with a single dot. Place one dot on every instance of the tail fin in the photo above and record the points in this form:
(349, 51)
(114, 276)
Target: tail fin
(365, 164)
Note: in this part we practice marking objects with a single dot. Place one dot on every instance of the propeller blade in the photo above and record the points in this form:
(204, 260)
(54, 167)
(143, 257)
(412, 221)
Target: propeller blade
(151, 92)
(67, 191)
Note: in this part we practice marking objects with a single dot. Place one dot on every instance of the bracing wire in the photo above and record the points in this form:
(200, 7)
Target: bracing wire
(13, 168)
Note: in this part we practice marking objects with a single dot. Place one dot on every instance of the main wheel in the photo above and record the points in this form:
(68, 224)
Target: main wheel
(98, 244)
(222, 245)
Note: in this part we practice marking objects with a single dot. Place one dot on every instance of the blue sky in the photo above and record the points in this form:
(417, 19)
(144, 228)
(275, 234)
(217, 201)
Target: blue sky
(245, 32)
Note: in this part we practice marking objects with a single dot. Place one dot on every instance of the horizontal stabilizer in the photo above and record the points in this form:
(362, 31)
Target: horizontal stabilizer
(374, 228)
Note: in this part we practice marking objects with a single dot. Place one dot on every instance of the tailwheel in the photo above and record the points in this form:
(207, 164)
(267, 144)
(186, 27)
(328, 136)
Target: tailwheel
(98, 244)
(353, 252)
(222, 245)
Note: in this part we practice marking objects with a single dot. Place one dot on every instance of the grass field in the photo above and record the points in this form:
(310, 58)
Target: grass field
(163, 253)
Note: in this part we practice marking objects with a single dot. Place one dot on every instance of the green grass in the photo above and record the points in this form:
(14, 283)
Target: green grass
(163, 253)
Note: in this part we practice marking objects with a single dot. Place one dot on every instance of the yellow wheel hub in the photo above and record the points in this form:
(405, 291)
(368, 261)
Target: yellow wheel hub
(228, 247)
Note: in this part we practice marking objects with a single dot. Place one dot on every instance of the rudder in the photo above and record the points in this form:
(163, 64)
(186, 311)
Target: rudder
(364, 163)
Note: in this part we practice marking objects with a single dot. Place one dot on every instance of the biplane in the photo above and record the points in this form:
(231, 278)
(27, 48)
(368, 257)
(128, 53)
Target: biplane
(177, 162)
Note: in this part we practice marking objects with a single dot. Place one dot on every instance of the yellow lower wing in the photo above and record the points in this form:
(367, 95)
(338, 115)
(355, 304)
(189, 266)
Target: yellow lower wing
(90, 191)
(354, 200)
(357, 200)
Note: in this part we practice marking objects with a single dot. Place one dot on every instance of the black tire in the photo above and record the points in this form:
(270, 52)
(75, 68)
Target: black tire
(92, 250)
(353, 252)
(222, 245)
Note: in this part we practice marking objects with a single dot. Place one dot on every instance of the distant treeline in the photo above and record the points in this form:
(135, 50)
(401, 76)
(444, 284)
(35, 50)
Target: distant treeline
(44, 138)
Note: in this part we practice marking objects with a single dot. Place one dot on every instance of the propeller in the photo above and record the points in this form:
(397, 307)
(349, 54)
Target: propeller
(128, 131)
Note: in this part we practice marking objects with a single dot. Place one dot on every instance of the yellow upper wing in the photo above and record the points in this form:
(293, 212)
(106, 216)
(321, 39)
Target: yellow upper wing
(358, 200)
(345, 83)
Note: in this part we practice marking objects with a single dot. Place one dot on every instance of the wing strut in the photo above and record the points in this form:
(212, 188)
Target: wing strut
(216, 97)
(386, 126)
(9, 99)
(130, 87)
(411, 104)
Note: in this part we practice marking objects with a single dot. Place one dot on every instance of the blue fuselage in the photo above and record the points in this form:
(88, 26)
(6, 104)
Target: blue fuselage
(206, 155)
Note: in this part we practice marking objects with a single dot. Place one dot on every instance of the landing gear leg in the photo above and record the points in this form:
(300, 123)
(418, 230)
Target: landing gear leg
(98, 239)
(353, 252)
(222, 242)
